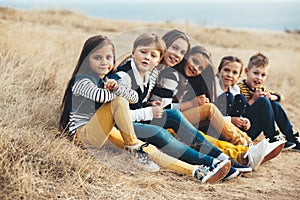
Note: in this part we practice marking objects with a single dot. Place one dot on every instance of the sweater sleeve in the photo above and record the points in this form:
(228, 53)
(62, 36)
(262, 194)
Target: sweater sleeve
(142, 114)
(125, 90)
(86, 88)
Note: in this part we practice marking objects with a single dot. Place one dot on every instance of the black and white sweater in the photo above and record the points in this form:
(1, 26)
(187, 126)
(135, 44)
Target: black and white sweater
(88, 94)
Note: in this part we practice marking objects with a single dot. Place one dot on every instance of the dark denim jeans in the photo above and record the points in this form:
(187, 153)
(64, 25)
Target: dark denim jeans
(263, 114)
(156, 134)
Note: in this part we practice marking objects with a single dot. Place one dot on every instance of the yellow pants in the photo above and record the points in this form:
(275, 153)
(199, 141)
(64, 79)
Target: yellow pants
(156, 155)
(210, 112)
(236, 152)
(101, 128)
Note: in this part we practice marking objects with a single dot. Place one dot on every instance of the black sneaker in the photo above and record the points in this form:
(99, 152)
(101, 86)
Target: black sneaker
(296, 140)
(240, 167)
(213, 173)
(231, 174)
(287, 146)
(142, 159)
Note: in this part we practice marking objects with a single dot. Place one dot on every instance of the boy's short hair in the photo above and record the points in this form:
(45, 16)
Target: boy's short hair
(146, 39)
(258, 60)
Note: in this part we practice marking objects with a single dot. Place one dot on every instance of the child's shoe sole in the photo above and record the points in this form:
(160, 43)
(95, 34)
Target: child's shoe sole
(220, 174)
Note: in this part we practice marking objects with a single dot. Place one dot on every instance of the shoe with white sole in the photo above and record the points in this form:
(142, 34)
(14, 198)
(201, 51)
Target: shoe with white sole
(233, 172)
(273, 150)
(240, 167)
(256, 153)
(213, 173)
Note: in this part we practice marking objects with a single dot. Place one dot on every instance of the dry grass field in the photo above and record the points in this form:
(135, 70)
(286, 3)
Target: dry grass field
(38, 52)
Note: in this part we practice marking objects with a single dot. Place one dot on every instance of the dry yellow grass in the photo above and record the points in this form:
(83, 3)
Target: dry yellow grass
(38, 51)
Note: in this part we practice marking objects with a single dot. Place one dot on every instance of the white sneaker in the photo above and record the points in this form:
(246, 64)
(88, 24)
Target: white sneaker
(273, 150)
(256, 153)
(142, 158)
(212, 174)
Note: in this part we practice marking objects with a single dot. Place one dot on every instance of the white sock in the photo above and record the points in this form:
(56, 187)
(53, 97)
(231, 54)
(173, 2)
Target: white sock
(223, 156)
(135, 147)
(194, 170)
(215, 161)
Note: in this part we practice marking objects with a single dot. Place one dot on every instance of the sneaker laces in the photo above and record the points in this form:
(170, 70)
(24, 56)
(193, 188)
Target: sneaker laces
(201, 172)
(280, 137)
(140, 154)
(248, 154)
(204, 169)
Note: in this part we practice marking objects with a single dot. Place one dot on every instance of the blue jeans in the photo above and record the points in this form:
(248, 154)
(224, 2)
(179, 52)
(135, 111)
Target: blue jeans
(263, 114)
(282, 120)
(156, 134)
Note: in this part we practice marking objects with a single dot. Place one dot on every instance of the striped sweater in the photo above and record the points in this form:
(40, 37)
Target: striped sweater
(88, 94)
(248, 92)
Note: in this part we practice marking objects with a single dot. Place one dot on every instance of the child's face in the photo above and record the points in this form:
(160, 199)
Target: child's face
(256, 76)
(230, 74)
(195, 65)
(175, 52)
(146, 57)
(102, 60)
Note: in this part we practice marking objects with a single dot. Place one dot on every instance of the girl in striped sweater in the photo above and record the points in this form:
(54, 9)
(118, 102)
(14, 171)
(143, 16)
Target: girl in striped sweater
(95, 100)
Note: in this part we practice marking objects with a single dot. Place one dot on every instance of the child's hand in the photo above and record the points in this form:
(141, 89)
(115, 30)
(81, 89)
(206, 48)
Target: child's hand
(202, 99)
(237, 121)
(111, 84)
(241, 122)
(257, 94)
(270, 96)
(157, 110)
(246, 125)
(154, 103)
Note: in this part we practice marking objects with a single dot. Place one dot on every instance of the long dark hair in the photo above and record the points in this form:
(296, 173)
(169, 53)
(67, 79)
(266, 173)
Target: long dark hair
(82, 67)
(208, 74)
(169, 38)
(173, 35)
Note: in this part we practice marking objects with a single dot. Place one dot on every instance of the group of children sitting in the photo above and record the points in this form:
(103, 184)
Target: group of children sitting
(165, 106)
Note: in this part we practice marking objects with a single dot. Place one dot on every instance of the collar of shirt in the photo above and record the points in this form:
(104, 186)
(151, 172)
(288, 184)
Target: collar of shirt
(138, 78)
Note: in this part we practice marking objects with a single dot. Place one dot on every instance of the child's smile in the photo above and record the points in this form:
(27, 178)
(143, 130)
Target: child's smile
(256, 76)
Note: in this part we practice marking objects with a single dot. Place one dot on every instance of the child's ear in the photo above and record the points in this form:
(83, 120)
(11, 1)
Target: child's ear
(246, 71)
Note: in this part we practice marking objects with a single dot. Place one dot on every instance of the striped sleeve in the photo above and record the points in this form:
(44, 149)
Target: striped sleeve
(127, 93)
(125, 90)
(152, 79)
(86, 88)
(244, 90)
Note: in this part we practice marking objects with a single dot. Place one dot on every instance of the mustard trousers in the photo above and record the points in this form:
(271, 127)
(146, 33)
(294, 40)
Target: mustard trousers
(101, 128)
